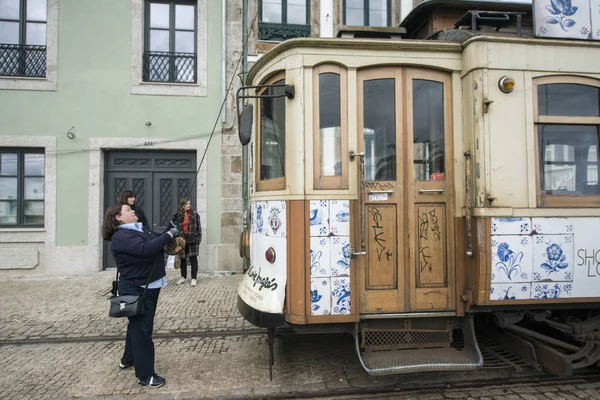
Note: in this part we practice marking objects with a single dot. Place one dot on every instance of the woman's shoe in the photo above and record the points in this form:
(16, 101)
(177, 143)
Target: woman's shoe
(194, 282)
(180, 281)
(152, 381)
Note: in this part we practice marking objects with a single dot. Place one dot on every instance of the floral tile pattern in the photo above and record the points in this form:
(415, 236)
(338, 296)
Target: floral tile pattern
(339, 249)
(340, 295)
(551, 290)
(595, 15)
(562, 18)
(320, 259)
(512, 257)
(275, 219)
(552, 226)
(511, 226)
(320, 296)
(319, 218)
(552, 258)
(510, 291)
(339, 217)
(259, 216)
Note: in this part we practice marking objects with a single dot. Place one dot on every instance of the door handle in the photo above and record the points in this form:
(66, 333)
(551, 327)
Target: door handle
(359, 253)
(431, 191)
(381, 192)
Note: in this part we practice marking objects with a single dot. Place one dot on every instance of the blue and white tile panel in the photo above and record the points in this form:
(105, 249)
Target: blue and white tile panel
(554, 258)
(330, 257)
(565, 19)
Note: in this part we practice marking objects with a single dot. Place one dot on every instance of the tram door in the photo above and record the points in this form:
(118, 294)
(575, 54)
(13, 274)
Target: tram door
(406, 222)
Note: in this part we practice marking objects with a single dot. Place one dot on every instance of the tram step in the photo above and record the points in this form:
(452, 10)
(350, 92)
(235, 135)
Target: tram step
(384, 351)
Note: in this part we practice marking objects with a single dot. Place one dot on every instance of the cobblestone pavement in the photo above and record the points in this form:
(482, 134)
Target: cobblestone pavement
(56, 341)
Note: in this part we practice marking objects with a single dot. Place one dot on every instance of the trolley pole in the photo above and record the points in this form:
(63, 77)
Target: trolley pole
(245, 148)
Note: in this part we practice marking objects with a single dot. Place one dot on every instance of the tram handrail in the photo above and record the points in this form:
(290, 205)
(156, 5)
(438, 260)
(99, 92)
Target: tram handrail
(469, 246)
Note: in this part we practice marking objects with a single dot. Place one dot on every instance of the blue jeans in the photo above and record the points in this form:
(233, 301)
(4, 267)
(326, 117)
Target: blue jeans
(139, 347)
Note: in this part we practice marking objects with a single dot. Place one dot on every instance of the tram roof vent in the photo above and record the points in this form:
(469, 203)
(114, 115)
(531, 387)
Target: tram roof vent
(370, 32)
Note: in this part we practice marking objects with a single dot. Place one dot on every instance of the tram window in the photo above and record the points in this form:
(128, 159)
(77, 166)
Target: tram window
(330, 124)
(566, 99)
(428, 126)
(569, 159)
(380, 129)
(272, 134)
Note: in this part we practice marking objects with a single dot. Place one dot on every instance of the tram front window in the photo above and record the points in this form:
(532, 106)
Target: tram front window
(330, 124)
(272, 134)
(380, 129)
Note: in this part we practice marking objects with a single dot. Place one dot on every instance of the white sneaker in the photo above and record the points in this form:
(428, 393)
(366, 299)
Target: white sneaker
(194, 282)
(181, 280)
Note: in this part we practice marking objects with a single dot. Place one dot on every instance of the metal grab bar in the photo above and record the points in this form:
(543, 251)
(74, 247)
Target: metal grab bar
(431, 190)
(381, 192)
(469, 250)
(361, 198)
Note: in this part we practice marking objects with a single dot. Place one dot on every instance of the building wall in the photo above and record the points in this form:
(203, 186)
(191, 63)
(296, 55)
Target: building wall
(96, 98)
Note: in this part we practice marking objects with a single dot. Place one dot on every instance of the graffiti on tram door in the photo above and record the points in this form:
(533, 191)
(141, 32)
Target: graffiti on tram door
(379, 235)
(431, 247)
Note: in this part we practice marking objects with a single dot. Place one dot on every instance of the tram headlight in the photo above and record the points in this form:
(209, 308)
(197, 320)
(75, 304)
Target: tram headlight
(245, 245)
(270, 255)
(506, 84)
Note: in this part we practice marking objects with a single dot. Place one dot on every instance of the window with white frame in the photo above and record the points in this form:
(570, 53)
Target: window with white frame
(22, 184)
(567, 124)
(23, 38)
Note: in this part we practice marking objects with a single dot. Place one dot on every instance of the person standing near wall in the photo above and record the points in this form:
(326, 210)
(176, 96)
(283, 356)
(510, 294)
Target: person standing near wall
(188, 221)
(128, 198)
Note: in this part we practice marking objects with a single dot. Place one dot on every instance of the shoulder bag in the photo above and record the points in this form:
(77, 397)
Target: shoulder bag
(128, 305)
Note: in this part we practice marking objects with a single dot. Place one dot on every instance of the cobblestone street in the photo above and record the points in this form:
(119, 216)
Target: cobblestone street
(56, 341)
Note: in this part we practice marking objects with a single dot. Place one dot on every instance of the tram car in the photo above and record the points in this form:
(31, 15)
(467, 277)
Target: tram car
(399, 188)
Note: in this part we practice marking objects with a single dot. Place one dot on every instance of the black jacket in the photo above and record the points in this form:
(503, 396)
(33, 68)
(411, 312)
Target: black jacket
(136, 252)
(141, 216)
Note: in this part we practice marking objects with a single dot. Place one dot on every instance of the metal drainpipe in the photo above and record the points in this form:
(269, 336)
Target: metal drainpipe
(245, 148)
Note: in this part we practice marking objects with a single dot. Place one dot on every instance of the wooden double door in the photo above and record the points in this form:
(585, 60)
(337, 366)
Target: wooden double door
(405, 216)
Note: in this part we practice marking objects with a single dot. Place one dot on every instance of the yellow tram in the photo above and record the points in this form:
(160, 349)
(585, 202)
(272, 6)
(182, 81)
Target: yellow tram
(400, 187)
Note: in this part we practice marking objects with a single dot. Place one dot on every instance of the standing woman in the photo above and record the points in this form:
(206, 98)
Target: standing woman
(188, 221)
(139, 259)
(128, 198)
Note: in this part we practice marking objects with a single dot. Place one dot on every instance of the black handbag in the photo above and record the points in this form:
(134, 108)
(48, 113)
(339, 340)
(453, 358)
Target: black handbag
(190, 238)
(128, 305)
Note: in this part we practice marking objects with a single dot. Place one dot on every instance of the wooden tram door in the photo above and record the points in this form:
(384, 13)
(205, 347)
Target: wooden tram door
(405, 211)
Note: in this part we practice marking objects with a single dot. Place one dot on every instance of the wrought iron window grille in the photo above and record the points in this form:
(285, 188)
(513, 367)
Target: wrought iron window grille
(22, 60)
(271, 31)
(160, 66)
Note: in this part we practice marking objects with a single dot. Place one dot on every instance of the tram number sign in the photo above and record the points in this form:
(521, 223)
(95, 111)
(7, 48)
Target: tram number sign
(378, 197)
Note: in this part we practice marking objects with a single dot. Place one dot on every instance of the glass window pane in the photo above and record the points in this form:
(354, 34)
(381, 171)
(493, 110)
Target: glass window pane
(428, 130)
(8, 164)
(378, 13)
(159, 15)
(159, 68)
(184, 42)
(36, 34)
(380, 129)
(34, 212)
(272, 135)
(355, 12)
(9, 9)
(8, 189)
(568, 159)
(8, 212)
(36, 10)
(159, 40)
(9, 32)
(330, 124)
(34, 189)
(296, 12)
(184, 17)
(34, 164)
(186, 69)
(271, 11)
(566, 99)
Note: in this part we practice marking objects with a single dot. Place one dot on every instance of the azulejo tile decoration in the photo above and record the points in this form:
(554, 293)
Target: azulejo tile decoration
(552, 258)
(260, 216)
(340, 295)
(595, 14)
(319, 218)
(552, 226)
(320, 296)
(510, 291)
(339, 217)
(320, 260)
(562, 18)
(511, 226)
(339, 250)
(551, 290)
(512, 257)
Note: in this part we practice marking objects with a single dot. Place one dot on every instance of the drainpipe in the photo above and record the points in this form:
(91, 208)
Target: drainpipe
(244, 148)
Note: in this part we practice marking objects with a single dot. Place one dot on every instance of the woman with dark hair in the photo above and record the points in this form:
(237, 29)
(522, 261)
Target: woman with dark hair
(128, 198)
(139, 257)
(188, 221)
